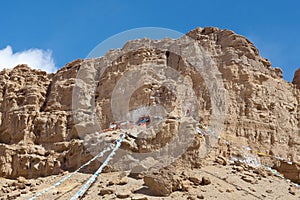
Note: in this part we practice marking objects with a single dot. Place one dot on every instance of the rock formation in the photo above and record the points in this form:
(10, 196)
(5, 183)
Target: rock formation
(296, 80)
(39, 136)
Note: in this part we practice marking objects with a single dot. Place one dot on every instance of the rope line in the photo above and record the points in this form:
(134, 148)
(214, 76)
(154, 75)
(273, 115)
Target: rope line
(210, 132)
(201, 129)
(101, 154)
(93, 178)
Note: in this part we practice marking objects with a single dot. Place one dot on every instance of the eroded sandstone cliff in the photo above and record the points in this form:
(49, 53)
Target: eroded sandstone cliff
(38, 136)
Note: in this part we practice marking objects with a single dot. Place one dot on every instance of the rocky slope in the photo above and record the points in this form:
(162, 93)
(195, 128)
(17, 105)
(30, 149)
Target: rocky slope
(39, 136)
(212, 181)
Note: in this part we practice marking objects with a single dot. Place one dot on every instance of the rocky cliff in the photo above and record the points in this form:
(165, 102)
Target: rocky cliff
(296, 80)
(39, 136)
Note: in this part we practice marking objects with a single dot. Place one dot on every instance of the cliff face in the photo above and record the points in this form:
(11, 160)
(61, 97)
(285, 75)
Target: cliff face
(39, 137)
(296, 79)
(262, 110)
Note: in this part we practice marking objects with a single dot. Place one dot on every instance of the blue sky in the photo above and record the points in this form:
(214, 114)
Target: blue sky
(71, 29)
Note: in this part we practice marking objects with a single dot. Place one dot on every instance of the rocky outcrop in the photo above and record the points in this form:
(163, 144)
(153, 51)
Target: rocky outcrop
(290, 170)
(296, 79)
(23, 92)
(164, 183)
(34, 127)
(39, 136)
(262, 107)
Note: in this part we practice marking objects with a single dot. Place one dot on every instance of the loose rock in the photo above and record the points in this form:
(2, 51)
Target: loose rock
(139, 197)
(105, 191)
(195, 180)
(269, 191)
(292, 191)
(205, 181)
(123, 194)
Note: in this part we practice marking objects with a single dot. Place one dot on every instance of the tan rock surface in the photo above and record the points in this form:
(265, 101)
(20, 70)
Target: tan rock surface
(38, 136)
(296, 79)
(224, 185)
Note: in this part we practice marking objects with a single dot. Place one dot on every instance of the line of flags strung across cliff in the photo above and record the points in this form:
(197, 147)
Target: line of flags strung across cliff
(207, 131)
(88, 184)
(144, 121)
(100, 155)
(113, 147)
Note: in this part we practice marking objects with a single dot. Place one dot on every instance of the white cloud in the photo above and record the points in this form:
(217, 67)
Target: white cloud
(35, 58)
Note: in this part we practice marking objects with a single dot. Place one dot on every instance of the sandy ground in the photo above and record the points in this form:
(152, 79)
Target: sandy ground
(226, 183)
